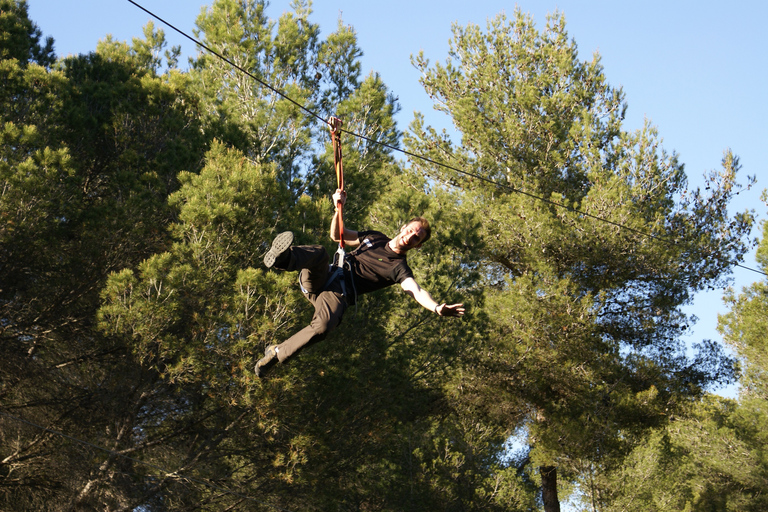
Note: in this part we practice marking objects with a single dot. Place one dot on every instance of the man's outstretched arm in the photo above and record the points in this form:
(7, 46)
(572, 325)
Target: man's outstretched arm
(422, 296)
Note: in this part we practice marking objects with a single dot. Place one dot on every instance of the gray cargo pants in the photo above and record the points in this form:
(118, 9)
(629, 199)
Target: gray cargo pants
(330, 304)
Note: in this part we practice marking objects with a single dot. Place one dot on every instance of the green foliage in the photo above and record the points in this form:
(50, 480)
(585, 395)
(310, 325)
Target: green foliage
(138, 201)
(338, 64)
(591, 242)
(20, 37)
(90, 151)
(712, 455)
(201, 307)
(264, 124)
(707, 460)
(745, 328)
(144, 53)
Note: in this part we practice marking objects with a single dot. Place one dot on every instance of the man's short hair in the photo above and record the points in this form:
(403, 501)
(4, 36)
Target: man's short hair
(424, 223)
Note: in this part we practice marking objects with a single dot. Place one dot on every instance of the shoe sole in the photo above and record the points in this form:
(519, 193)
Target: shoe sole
(280, 244)
(265, 363)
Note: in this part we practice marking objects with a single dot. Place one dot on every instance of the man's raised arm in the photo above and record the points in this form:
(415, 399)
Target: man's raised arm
(350, 236)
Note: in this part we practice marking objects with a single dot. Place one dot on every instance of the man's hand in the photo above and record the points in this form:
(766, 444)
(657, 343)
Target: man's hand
(340, 196)
(450, 309)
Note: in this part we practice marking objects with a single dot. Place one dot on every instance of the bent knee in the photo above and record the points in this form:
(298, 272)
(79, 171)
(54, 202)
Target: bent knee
(324, 326)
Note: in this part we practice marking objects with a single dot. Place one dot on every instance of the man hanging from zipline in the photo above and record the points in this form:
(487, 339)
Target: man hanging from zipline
(377, 262)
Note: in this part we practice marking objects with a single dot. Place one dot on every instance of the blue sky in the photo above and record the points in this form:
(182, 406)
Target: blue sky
(696, 69)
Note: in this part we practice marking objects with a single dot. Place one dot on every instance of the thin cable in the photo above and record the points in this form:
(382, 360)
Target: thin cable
(751, 269)
(138, 461)
(423, 158)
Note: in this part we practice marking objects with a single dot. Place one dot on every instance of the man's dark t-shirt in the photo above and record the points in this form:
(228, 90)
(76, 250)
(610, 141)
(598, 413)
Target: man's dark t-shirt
(375, 265)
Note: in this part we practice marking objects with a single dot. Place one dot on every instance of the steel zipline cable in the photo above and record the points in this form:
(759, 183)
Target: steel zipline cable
(416, 156)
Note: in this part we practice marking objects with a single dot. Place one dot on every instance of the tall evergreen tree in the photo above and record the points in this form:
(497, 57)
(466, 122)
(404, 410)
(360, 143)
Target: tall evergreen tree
(708, 458)
(90, 151)
(711, 456)
(591, 241)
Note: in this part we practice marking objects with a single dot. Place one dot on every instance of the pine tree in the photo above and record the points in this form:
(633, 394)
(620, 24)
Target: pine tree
(90, 151)
(591, 245)
(709, 456)
(744, 327)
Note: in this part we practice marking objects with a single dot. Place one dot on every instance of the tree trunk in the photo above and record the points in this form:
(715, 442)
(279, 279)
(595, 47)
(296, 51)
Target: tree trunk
(549, 488)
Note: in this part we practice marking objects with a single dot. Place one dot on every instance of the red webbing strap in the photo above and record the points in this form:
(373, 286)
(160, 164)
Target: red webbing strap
(335, 125)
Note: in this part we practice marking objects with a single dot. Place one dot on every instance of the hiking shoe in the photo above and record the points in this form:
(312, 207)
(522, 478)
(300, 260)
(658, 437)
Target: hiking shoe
(279, 255)
(268, 361)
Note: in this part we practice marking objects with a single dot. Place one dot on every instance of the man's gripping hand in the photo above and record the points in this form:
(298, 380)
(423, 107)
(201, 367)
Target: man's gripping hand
(340, 196)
